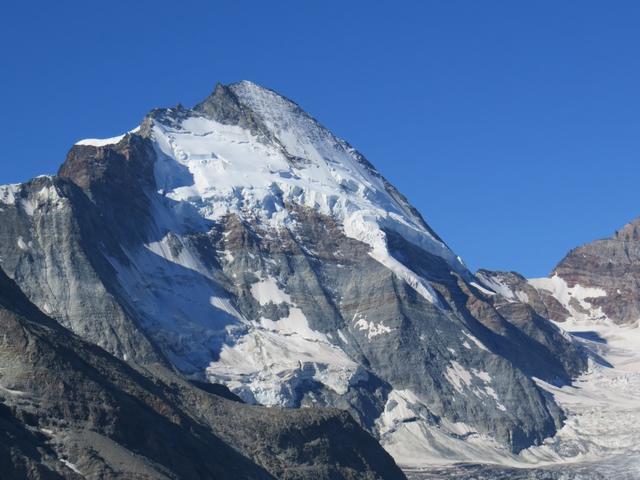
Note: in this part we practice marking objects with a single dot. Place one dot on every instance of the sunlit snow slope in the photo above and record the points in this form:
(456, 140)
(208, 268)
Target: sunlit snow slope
(288, 157)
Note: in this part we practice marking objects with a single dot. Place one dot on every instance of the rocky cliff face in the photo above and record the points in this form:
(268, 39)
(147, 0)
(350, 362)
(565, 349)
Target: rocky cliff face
(68, 409)
(243, 243)
(612, 268)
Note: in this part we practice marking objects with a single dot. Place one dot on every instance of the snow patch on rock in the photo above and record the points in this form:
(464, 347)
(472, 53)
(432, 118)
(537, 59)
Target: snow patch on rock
(265, 365)
(372, 329)
(575, 299)
(475, 341)
(22, 244)
(414, 441)
(458, 376)
(267, 290)
(482, 289)
(101, 142)
(9, 193)
(496, 285)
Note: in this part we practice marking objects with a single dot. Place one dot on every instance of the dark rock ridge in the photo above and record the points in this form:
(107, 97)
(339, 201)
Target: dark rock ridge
(70, 410)
(277, 297)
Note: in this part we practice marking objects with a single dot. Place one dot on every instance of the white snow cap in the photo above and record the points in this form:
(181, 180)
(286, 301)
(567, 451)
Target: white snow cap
(101, 142)
(222, 169)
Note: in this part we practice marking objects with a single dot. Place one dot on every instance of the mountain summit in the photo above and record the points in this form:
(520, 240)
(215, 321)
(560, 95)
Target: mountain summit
(241, 242)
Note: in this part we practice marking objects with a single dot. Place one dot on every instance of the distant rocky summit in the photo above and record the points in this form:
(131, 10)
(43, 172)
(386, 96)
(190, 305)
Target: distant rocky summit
(598, 281)
(612, 266)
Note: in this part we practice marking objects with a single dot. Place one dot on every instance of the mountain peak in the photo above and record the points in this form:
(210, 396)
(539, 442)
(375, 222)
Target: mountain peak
(247, 149)
(224, 106)
(221, 98)
(250, 105)
(250, 151)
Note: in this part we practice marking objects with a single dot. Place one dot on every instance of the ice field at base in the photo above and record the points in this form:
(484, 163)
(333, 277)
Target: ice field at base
(601, 435)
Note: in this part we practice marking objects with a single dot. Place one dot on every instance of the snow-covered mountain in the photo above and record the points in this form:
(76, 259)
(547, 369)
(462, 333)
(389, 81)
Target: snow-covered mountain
(243, 243)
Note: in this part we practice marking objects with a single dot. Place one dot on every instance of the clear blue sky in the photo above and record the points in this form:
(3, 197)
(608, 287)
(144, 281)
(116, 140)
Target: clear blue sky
(512, 125)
